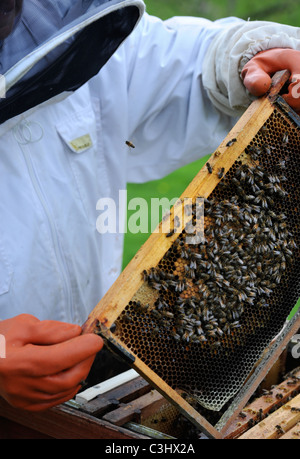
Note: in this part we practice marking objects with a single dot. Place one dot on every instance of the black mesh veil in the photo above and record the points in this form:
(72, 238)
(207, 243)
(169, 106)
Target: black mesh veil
(57, 46)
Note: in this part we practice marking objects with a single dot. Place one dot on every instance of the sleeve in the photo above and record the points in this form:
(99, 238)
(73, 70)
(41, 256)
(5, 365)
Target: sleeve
(172, 122)
(185, 89)
(230, 51)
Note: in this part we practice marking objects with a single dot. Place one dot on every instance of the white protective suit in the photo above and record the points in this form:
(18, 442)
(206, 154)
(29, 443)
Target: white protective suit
(171, 88)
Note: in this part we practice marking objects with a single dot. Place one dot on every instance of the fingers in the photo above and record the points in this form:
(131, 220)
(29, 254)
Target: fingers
(50, 404)
(46, 361)
(56, 389)
(50, 332)
(51, 360)
(256, 80)
(258, 83)
(34, 392)
(25, 328)
(65, 381)
(257, 73)
(42, 402)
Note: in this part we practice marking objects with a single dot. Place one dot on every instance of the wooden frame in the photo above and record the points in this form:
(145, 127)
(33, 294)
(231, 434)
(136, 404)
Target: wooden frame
(130, 281)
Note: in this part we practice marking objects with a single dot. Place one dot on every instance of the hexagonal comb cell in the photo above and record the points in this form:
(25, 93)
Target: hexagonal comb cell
(215, 306)
(200, 316)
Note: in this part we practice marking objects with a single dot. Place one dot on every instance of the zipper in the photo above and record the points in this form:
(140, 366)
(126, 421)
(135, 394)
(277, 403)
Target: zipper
(63, 268)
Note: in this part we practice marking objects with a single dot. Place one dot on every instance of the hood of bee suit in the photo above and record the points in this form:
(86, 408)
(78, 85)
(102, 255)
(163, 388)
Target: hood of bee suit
(57, 46)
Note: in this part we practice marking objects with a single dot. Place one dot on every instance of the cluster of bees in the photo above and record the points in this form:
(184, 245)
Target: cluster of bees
(204, 296)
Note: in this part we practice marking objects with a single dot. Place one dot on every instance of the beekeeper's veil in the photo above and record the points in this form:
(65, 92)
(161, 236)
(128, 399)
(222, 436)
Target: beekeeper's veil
(57, 45)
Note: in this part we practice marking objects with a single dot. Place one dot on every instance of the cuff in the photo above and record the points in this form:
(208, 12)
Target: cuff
(229, 53)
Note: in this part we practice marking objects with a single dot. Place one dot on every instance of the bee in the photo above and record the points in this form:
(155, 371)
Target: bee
(144, 307)
(254, 153)
(212, 333)
(221, 173)
(219, 331)
(155, 285)
(295, 410)
(145, 275)
(129, 144)
(177, 221)
(209, 168)
(156, 313)
(267, 392)
(156, 331)
(201, 339)
(180, 287)
(235, 324)
(279, 429)
(285, 139)
(260, 415)
(184, 254)
(127, 317)
(216, 345)
(199, 330)
(167, 314)
(231, 142)
(186, 336)
(176, 336)
(281, 164)
(251, 423)
(188, 210)
(170, 233)
(264, 130)
(153, 275)
(113, 328)
(267, 149)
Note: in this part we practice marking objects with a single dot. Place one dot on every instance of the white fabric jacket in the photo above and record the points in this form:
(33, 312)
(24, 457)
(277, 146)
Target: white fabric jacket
(54, 263)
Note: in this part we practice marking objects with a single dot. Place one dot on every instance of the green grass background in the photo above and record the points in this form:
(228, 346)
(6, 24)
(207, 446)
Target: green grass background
(285, 12)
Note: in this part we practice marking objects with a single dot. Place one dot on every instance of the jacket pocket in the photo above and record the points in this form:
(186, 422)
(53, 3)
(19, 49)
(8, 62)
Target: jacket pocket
(82, 141)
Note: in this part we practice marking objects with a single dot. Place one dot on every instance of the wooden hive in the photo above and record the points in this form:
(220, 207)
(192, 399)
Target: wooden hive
(134, 411)
(202, 316)
(275, 414)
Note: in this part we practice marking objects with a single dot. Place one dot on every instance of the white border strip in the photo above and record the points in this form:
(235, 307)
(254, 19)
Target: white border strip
(105, 386)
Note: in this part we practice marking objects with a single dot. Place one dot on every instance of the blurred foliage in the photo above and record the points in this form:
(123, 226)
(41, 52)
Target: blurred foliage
(269, 10)
(285, 12)
(169, 187)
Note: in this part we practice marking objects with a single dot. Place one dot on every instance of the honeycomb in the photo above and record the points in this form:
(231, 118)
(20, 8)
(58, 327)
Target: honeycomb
(206, 312)
(166, 420)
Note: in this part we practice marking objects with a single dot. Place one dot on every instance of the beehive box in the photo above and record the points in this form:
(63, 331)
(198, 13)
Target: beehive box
(275, 414)
(135, 411)
(201, 311)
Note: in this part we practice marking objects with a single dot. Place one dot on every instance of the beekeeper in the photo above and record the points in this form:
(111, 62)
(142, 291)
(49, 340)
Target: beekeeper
(82, 77)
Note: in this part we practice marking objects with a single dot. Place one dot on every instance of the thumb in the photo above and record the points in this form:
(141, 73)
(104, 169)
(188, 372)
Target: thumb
(256, 80)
